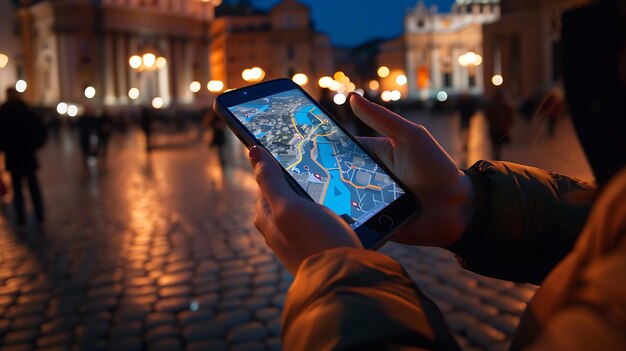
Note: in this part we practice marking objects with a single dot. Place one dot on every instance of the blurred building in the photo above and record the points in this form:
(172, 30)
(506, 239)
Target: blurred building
(523, 48)
(70, 45)
(10, 49)
(282, 43)
(435, 41)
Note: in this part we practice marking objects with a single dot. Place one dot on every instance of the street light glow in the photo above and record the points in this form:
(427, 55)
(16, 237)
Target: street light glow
(442, 96)
(395, 95)
(339, 98)
(325, 82)
(21, 85)
(133, 93)
(300, 78)
(157, 102)
(401, 79)
(160, 62)
(253, 74)
(61, 108)
(470, 59)
(383, 71)
(385, 96)
(4, 60)
(134, 61)
(195, 86)
(72, 110)
(497, 80)
(374, 85)
(359, 91)
(148, 59)
(339, 75)
(335, 86)
(90, 92)
(215, 86)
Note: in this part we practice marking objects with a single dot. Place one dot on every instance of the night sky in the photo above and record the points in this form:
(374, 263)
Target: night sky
(350, 23)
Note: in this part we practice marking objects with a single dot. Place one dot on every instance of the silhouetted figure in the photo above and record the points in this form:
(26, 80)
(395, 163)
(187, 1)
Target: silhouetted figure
(104, 130)
(21, 134)
(146, 126)
(467, 107)
(218, 139)
(500, 113)
(87, 135)
(552, 108)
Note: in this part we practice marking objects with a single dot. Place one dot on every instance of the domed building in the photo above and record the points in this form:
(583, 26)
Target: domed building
(443, 50)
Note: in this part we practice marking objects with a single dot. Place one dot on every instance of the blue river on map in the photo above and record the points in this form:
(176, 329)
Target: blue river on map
(338, 195)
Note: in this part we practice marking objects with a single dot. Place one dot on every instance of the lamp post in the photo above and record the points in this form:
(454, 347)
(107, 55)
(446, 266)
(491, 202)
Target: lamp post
(471, 61)
(147, 62)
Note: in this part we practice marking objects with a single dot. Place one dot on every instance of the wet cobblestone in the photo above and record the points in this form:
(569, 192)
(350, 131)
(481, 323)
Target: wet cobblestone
(160, 253)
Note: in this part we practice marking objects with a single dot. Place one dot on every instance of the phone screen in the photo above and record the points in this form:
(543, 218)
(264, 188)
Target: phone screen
(325, 161)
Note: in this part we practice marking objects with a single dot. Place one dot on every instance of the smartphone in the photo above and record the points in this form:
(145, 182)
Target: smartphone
(320, 158)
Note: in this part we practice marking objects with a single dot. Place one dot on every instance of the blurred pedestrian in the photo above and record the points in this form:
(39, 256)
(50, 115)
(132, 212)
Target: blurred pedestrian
(22, 133)
(104, 131)
(500, 114)
(467, 107)
(88, 135)
(146, 126)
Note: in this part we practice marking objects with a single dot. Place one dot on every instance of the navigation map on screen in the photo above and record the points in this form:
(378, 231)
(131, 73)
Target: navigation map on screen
(332, 169)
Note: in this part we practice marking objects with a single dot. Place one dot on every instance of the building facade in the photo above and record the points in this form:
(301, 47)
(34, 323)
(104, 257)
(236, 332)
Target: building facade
(69, 45)
(10, 49)
(282, 43)
(435, 41)
(524, 46)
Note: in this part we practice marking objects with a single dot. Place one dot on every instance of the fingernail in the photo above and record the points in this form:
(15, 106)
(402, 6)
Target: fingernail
(255, 154)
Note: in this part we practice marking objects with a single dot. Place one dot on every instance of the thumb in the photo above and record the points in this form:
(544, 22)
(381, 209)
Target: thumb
(270, 177)
(382, 120)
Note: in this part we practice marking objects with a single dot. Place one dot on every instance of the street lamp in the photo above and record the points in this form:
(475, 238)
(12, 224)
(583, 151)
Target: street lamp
(300, 78)
(133, 93)
(383, 71)
(195, 86)
(147, 61)
(215, 86)
(497, 80)
(90, 92)
(4, 60)
(21, 85)
(252, 75)
(470, 59)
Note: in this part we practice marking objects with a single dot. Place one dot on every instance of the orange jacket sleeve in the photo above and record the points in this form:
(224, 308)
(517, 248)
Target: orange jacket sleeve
(358, 299)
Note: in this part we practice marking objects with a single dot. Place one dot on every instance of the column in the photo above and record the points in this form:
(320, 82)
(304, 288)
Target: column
(185, 67)
(411, 71)
(435, 69)
(457, 70)
(109, 88)
(122, 68)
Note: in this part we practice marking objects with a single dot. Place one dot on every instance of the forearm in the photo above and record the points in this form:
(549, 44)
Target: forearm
(525, 220)
(356, 299)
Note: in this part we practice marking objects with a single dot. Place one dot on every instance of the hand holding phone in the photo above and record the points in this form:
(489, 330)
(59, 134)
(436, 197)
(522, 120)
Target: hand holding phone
(319, 157)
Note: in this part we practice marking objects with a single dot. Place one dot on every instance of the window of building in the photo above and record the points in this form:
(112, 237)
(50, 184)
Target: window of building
(420, 23)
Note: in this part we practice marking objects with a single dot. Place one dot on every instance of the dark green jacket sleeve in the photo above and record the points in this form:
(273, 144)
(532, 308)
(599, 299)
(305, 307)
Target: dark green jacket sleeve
(525, 221)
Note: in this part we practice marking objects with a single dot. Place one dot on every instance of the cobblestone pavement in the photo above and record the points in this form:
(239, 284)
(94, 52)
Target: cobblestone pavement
(159, 253)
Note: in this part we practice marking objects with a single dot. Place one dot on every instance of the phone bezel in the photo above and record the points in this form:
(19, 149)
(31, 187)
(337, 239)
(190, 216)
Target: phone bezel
(373, 233)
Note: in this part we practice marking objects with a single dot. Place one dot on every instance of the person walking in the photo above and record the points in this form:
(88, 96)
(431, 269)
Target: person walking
(500, 114)
(105, 129)
(21, 134)
(146, 126)
(467, 107)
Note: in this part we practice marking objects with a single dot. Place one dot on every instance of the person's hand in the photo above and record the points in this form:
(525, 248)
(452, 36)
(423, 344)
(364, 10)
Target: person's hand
(294, 227)
(414, 156)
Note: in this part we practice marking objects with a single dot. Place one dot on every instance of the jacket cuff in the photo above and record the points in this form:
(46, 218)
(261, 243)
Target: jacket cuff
(477, 230)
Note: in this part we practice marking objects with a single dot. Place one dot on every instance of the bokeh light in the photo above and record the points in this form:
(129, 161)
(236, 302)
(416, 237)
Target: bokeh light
(374, 85)
(4, 60)
(395, 95)
(442, 96)
(148, 59)
(339, 75)
(72, 110)
(61, 108)
(133, 93)
(497, 80)
(160, 62)
(195, 86)
(21, 85)
(383, 71)
(157, 102)
(134, 61)
(90, 92)
(339, 98)
(401, 79)
(359, 91)
(325, 82)
(215, 86)
(385, 96)
(300, 78)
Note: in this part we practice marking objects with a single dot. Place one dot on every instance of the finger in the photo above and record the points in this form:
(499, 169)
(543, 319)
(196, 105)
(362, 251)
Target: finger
(270, 177)
(381, 119)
